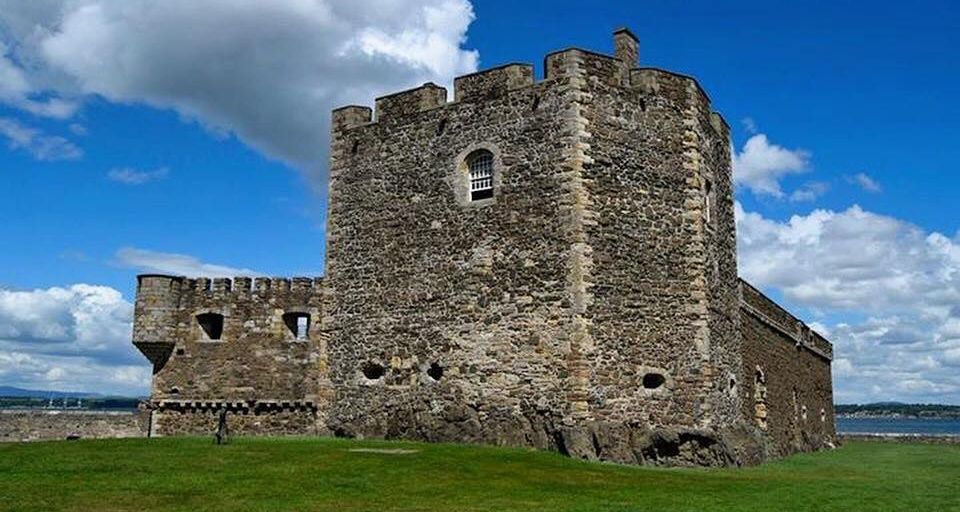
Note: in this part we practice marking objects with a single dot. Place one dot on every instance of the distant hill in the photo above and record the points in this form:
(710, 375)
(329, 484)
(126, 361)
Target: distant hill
(897, 410)
(20, 398)
(10, 391)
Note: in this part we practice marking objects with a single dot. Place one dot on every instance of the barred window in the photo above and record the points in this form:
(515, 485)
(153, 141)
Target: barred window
(480, 163)
(298, 324)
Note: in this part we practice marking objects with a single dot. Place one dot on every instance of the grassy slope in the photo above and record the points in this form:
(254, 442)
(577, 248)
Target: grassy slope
(321, 474)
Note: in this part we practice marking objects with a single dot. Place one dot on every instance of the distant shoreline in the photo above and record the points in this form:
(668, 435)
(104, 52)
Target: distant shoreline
(900, 438)
(895, 416)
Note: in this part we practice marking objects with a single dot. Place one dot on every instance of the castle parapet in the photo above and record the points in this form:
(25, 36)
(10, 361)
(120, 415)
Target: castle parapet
(164, 304)
(617, 69)
(426, 97)
(350, 116)
(492, 82)
(761, 307)
(245, 287)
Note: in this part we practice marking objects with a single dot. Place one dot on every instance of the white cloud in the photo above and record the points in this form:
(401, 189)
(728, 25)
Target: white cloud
(17, 91)
(749, 125)
(268, 72)
(74, 373)
(809, 191)
(865, 182)
(34, 141)
(176, 264)
(852, 259)
(74, 338)
(130, 176)
(902, 281)
(760, 165)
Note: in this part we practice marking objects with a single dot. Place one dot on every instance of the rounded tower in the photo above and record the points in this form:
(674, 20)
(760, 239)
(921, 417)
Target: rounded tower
(156, 316)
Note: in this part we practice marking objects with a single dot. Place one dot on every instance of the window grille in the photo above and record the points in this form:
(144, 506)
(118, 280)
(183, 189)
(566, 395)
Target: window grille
(481, 175)
(298, 324)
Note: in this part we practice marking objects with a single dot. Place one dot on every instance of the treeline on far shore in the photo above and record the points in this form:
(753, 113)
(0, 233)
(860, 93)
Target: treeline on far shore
(96, 403)
(898, 410)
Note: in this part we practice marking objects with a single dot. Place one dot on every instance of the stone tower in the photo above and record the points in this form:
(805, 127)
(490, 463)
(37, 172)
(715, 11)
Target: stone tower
(542, 263)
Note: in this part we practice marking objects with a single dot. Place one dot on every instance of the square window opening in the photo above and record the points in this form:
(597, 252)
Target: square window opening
(211, 324)
(298, 324)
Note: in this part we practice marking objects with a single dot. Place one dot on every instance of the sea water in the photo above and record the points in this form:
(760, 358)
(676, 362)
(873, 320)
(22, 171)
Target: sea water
(914, 426)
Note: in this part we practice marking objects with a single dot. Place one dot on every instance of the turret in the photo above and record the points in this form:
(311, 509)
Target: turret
(155, 316)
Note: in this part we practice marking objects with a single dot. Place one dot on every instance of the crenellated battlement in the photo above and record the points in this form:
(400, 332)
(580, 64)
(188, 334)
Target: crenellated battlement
(412, 101)
(492, 82)
(173, 289)
(166, 307)
(621, 70)
(258, 286)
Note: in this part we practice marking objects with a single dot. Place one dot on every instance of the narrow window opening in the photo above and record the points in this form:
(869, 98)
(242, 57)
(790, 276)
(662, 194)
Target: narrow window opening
(643, 105)
(211, 324)
(823, 415)
(536, 103)
(435, 371)
(175, 390)
(373, 371)
(298, 324)
(708, 211)
(760, 399)
(442, 127)
(803, 413)
(796, 404)
(181, 351)
(732, 386)
(653, 380)
(480, 164)
(355, 147)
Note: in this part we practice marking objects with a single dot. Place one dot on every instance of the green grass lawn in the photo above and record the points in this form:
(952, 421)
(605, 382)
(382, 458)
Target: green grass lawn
(324, 474)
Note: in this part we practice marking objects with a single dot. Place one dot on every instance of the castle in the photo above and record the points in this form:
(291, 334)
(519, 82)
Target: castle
(547, 263)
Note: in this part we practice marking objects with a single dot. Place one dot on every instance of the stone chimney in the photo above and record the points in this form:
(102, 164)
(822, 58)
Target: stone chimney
(627, 47)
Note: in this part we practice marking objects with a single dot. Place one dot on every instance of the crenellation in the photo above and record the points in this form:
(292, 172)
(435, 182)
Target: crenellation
(412, 101)
(243, 285)
(279, 285)
(222, 285)
(301, 284)
(490, 83)
(202, 284)
(537, 263)
(345, 118)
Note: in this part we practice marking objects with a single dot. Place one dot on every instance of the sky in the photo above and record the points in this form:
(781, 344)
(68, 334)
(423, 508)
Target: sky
(191, 138)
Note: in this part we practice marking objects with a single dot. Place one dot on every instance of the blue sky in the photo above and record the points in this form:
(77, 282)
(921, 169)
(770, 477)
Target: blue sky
(125, 150)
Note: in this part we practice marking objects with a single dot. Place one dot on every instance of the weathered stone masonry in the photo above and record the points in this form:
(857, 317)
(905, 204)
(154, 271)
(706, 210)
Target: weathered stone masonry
(588, 304)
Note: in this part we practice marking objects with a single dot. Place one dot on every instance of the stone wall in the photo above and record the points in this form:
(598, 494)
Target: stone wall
(256, 356)
(659, 266)
(42, 425)
(172, 418)
(789, 395)
(450, 319)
